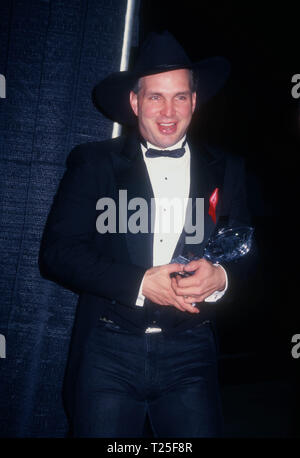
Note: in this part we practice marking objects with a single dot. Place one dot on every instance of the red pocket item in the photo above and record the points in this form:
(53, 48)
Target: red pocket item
(213, 200)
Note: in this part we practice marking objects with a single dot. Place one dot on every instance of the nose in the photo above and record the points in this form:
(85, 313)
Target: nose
(168, 108)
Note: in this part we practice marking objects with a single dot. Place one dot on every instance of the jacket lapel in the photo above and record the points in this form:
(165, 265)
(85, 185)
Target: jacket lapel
(204, 179)
(132, 177)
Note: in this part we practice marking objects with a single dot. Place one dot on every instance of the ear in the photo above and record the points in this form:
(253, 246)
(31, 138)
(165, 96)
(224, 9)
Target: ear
(194, 101)
(133, 98)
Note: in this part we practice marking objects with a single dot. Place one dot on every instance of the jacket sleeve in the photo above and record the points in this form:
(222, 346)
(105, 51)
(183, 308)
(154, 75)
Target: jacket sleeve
(235, 211)
(68, 251)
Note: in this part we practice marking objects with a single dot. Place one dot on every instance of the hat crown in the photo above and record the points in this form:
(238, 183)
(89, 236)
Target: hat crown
(161, 51)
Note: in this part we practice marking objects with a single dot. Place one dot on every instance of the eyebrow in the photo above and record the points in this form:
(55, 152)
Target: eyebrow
(160, 93)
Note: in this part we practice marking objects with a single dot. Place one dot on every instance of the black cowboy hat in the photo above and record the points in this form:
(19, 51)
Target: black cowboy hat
(159, 53)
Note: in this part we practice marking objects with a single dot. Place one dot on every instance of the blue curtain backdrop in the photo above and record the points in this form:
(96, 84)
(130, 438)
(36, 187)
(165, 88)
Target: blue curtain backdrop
(52, 52)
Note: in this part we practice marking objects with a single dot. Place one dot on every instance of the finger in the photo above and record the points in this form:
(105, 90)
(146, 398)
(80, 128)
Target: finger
(176, 279)
(190, 299)
(189, 291)
(205, 295)
(178, 306)
(191, 280)
(174, 267)
(202, 297)
(174, 283)
(193, 265)
(178, 302)
(187, 306)
(190, 308)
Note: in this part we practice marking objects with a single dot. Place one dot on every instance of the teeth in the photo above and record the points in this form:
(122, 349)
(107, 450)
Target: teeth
(167, 124)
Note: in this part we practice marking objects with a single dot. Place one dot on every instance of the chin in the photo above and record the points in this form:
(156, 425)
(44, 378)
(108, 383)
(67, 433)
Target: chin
(167, 141)
(172, 141)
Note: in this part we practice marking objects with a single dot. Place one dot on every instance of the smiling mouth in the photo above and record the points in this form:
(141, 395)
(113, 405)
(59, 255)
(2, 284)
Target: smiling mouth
(167, 127)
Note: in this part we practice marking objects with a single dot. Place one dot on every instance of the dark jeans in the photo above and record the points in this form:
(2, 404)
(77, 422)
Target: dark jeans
(123, 377)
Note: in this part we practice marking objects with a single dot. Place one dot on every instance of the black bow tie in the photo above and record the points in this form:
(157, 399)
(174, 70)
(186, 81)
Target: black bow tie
(179, 152)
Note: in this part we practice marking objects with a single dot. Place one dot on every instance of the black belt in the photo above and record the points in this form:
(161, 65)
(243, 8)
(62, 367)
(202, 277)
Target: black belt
(149, 329)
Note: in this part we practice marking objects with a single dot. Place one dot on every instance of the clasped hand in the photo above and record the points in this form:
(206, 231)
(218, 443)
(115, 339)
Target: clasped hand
(180, 291)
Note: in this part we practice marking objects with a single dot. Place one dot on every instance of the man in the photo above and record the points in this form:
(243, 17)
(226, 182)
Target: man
(143, 340)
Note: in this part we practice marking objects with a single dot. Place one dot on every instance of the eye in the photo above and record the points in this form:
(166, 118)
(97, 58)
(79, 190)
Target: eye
(154, 97)
(182, 97)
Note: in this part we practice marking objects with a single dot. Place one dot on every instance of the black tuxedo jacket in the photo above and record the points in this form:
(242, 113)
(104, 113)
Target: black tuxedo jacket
(107, 269)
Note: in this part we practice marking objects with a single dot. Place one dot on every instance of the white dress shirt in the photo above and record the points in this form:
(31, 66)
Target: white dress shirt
(170, 180)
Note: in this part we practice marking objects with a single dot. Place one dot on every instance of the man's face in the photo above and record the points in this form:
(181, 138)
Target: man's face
(164, 106)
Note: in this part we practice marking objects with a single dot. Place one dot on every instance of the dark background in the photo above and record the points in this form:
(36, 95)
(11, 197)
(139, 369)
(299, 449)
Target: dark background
(52, 53)
(254, 116)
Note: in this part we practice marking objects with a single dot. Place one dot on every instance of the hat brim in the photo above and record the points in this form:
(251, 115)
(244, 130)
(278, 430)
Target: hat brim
(111, 95)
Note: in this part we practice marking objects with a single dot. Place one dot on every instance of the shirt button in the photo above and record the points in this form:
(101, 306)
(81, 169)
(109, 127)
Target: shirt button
(166, 178)
(161, 240)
